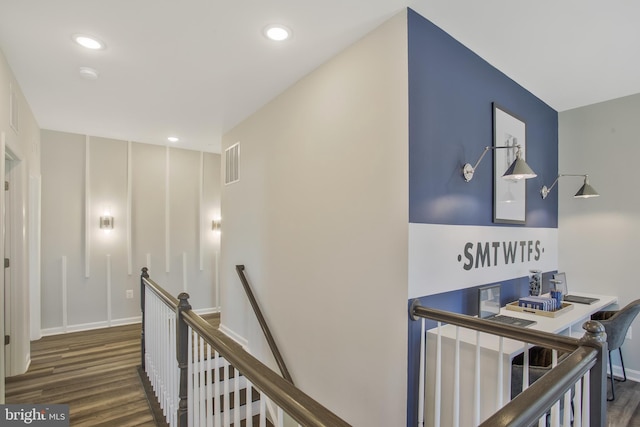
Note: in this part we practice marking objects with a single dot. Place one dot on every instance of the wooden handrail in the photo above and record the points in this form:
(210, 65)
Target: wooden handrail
(263, 324)
(531, 336)
(527, 407)
(294, 402)
(301, 407)
(586, 353)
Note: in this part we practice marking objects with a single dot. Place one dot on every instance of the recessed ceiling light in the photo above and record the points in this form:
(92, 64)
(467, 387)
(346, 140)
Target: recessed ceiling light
(173, 139)
(88, 41)
(277, 32)
(88, 73)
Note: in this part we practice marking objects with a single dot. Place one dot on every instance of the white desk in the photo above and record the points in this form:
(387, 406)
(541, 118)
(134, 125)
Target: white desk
(569, 323)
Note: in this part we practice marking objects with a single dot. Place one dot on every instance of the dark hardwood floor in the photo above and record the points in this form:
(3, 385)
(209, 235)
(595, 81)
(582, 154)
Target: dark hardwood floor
(625, 410)
(95, 373)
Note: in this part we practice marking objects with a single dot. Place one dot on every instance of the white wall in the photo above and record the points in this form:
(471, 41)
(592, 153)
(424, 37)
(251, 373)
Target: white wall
(20, 139)
(319, 218)
(599, 237)
(174, 195)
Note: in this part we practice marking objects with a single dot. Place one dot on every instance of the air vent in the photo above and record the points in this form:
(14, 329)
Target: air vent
(232, 164)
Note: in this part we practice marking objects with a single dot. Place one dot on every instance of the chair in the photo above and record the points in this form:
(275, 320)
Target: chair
(616, 324)
(540, 361)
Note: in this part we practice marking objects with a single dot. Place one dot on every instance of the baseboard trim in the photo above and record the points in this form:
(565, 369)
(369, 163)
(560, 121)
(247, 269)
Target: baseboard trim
(234, 336)
(152, 400)
(106, 324)
(203, 311)
(632, 374)
(90, 326)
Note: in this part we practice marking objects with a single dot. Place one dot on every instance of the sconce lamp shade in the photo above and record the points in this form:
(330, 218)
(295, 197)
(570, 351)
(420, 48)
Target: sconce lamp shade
(585, 192)
(519, 169)
(106, 222)
(215, 225)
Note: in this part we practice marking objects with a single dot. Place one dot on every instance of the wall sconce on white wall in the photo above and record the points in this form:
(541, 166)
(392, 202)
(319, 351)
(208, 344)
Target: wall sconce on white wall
(106, 223)
(585, 192)
(519, 169)
(216, 225)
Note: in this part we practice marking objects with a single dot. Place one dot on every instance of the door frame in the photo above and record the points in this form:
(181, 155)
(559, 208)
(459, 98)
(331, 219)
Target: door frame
(19, 354)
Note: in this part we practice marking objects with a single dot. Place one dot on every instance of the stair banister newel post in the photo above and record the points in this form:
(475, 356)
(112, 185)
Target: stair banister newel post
(596, 337)
(182, 355)
(143, 275)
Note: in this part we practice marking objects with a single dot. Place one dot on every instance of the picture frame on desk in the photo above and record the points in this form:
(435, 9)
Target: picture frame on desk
(509, 196)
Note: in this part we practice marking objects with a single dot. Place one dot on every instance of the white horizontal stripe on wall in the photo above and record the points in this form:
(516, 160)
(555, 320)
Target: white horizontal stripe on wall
(444, 258)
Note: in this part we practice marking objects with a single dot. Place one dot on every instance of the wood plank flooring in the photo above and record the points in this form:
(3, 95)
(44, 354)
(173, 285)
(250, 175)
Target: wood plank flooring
(625, 410)
(94, 372)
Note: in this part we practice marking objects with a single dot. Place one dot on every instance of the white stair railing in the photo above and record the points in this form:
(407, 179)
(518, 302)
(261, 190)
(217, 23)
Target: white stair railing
(443, 402)
(159, 354)
(201, 377)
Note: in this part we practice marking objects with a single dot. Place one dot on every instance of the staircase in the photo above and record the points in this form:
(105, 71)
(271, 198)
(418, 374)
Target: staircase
(201, 377)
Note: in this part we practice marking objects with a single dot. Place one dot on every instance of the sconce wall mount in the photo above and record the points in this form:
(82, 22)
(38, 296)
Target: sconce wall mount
(585, 192)
(106, 222)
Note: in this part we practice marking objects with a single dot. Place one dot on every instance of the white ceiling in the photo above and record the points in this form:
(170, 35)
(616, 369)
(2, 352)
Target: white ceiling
(196, 68)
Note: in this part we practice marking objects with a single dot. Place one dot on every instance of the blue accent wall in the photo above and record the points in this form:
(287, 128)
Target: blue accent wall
(451, 91)
(451, 96)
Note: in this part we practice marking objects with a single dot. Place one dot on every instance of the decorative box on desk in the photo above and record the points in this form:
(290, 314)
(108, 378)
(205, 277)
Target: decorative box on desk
(565, 307)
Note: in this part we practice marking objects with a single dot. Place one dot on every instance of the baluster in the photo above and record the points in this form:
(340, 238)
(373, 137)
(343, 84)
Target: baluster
(162, 360)
(456, 380)
(249, 406)
(577, 403)
(202, 383)
(263, 410)
(194, 405)
(236, 397)
(438, 385)
(566, 414)
(476, 397)
(227, 405)
(586, 399)
(280, 417)
(216, 391)
(165, 360)
(423, 343)
(501, 373)
(525, 367)
(173, 370)
(209, 397)
(555, 408)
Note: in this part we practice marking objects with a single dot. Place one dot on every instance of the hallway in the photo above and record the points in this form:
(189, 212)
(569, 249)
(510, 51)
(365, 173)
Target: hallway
(95, 373)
